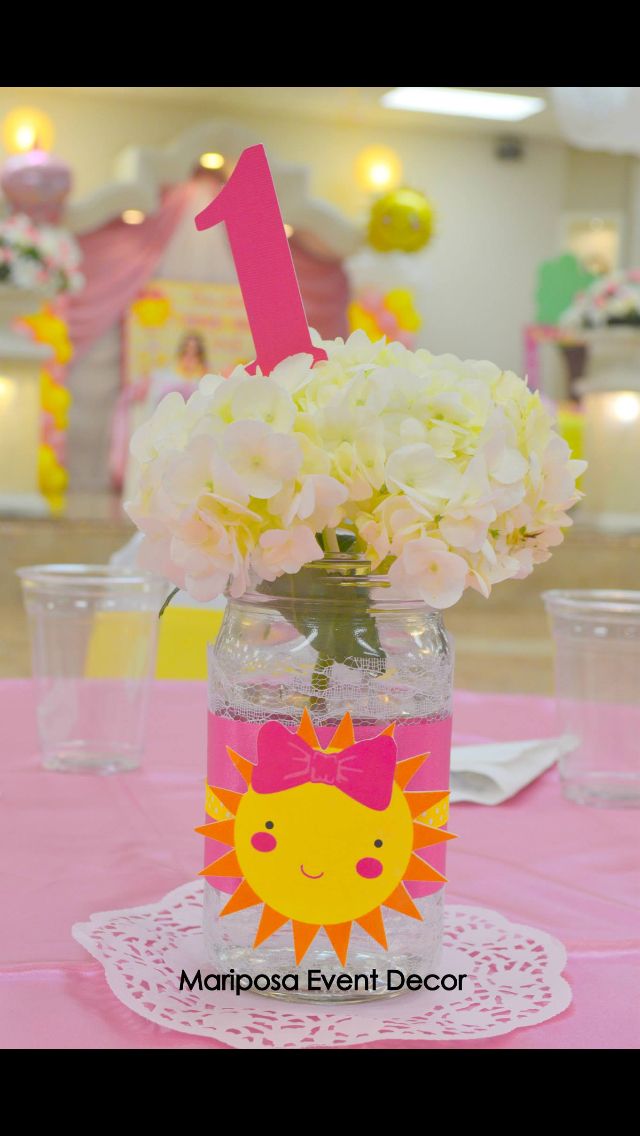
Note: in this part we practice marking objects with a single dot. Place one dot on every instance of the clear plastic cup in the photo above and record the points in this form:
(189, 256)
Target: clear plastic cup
(597, 651)
(93, 634)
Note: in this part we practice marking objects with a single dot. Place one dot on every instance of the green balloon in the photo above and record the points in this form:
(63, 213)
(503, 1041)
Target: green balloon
(559, 282)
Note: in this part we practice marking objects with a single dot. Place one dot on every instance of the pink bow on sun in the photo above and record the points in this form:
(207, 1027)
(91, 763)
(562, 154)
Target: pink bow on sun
(363, 771)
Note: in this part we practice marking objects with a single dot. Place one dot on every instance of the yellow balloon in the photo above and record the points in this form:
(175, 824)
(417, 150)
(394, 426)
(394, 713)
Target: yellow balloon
(362, 320)
(152, 310)
(400, 302)
(57, 503)
(401, 220)
(50, 329)
(52, 476)
(55, 400)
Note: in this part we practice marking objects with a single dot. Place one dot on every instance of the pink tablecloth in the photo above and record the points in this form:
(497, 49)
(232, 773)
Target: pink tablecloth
(73, 845)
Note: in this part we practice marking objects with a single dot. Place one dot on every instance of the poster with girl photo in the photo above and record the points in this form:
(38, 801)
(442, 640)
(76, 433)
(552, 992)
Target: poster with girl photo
(175, 332)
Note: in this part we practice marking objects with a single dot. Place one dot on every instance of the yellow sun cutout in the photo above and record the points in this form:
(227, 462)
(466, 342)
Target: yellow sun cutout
(324, 837)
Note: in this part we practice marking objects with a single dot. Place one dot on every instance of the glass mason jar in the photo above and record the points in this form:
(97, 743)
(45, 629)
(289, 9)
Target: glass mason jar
(325, 693)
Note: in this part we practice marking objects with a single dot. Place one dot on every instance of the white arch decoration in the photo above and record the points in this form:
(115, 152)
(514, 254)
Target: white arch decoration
(143, 171)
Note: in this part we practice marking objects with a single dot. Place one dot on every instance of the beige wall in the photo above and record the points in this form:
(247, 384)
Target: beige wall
(496, 220)
(598, 181)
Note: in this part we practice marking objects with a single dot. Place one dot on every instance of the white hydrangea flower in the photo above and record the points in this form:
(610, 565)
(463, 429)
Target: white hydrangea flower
(285, 550)
(167, 430)
(426, 569)
(421, 475)
(263, 459)
(448, 473)
(319, 502)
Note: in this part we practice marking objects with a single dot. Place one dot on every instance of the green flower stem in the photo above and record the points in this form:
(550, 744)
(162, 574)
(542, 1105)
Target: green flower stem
(320, 682)
(320, 674)
(330, 541)
(167, 602)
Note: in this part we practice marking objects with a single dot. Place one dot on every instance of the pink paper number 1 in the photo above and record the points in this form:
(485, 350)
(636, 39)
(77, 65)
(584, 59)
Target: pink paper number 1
(249, 207)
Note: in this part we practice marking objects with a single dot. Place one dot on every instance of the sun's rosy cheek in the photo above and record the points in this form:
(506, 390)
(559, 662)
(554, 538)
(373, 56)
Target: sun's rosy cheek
(369, 868)
(263, 841)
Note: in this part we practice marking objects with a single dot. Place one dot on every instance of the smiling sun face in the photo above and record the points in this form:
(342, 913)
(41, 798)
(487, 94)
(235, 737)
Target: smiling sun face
(316, 854)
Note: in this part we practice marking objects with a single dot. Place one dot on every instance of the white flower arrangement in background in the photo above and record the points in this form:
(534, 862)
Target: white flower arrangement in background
(611, 301)
(38, 257)
(447, 474)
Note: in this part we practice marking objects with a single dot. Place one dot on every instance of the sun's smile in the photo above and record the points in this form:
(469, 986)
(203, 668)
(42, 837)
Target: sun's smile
(367, 852)
(310, 875)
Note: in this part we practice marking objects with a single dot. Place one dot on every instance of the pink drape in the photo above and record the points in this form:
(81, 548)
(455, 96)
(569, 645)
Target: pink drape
(118, 260)
(325, 291)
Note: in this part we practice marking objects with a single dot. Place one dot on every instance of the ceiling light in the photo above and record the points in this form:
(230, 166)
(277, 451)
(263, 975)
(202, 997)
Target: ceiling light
(7, 392)
(626, 407)
(289, 230)
(463, 102)
(212, 161)
(378, 168)
(27, 128)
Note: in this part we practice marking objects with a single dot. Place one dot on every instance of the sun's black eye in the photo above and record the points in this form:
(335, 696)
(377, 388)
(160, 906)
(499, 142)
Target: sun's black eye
(269, 824)
(377, 844)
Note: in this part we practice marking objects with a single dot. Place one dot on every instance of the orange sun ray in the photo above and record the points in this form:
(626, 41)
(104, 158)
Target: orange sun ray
(373, 924)
(419, 802)
(424, 834)
(245, 768)
(230, 800)
(226, 865)
(270, 922)
(339, 935)
(401, 901)
(389, 731)
(244, 896)
(222, 830)
(344, 735)
(405, 770)
(418, 869)
(303, 936)
(306, 730)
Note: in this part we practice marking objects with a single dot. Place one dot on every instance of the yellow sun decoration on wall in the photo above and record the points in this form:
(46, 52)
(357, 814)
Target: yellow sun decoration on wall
(316, 854)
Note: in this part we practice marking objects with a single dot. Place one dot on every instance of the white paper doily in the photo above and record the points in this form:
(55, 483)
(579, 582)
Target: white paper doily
(515, 979)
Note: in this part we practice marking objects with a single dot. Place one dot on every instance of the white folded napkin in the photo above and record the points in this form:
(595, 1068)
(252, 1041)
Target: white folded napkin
(489, 774)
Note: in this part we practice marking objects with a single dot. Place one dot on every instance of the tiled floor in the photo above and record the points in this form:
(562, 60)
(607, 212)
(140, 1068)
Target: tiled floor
(502, 644)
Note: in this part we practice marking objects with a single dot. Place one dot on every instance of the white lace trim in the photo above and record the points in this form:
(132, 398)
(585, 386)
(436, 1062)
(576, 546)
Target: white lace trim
(369, 689)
